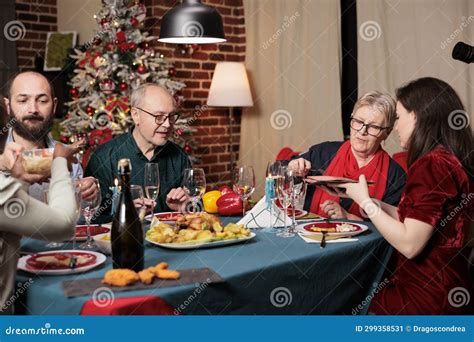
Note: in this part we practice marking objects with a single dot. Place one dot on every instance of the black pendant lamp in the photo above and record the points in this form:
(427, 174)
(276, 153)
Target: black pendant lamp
(192, 23)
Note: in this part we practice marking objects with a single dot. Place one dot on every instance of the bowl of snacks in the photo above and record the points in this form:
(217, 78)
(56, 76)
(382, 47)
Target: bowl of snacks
(103, 242)
(38, 161)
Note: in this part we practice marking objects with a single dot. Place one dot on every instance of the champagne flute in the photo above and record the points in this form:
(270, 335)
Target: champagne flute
(152, 183)
(194, 185)
(89, 209)
(78, 195)
(137, 194)
(285, 185)
(298, 194)
(45, 199)
(273, 172)
(243, 180)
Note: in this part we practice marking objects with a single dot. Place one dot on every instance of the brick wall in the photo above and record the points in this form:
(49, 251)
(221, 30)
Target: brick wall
(39, 18)
(194, 69)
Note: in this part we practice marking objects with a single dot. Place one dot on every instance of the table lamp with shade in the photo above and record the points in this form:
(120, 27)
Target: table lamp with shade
(230, 88)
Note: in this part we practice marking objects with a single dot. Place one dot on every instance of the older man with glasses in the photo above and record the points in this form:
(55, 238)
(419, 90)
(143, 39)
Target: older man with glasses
(372, 121)
(153, 113)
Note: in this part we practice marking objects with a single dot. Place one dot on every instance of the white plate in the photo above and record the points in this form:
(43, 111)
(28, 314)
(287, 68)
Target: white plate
(300, 228)
(100, 259)
(197, 244)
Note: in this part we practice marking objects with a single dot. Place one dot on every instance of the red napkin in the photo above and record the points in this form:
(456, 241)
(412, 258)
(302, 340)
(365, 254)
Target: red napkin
(126, 306)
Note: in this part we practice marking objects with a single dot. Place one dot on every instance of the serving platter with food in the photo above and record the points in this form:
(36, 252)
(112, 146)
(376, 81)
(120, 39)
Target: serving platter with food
(200, 230)
(167, 217)
(332, 228)
(61, 262)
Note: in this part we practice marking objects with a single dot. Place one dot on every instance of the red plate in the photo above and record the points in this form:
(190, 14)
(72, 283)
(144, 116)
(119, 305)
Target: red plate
(331, 224)
(168, 216)
(35, 264)
(81, 231)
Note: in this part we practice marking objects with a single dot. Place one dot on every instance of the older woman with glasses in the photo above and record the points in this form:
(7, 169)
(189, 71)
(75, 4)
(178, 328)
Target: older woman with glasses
(371, 123)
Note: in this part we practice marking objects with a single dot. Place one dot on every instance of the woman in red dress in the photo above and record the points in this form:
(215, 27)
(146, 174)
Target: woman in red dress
(429, 229)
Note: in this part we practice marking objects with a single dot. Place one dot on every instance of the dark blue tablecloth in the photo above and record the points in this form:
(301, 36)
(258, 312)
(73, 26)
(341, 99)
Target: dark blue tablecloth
(265, 275)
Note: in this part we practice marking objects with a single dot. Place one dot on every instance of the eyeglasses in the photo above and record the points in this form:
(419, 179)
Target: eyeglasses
(370, 129)
(161, 118)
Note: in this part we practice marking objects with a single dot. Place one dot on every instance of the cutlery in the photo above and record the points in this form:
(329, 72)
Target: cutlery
(323, 240)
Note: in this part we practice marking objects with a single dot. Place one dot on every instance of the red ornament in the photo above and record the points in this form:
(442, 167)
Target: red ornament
(123, 86)
(134, 21)
(172, 72)
(107, 86)
(97, 41)
(89, 110)
(141, 69)
(74, 92)
(187, 148)
(64, 140)
(109, 46)
(145, 45)
(124, 47)
(116, 42)
(132, 46)
(120, 36)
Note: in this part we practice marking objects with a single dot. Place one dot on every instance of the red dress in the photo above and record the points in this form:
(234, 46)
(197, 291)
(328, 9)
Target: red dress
(440, 193)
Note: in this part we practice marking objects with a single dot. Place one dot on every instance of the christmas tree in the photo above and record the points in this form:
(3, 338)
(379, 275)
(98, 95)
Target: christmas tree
(117, 60)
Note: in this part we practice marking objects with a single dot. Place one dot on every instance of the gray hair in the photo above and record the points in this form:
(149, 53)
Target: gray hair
(382, 103)
(138, 94)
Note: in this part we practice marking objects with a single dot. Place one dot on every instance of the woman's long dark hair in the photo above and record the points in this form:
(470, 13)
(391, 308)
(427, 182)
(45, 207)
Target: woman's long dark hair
(440, 120)
(3, 125)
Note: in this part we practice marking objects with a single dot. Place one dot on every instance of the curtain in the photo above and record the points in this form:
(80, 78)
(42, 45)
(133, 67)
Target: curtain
(293, 61)
(403, 40)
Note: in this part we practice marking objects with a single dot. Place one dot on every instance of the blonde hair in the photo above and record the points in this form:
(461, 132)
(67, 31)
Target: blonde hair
(382, 103)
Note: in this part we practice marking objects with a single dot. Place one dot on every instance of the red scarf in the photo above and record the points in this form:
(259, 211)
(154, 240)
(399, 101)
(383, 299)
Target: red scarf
(345, 165)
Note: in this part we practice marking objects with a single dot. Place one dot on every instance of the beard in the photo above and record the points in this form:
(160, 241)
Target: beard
(32, 133)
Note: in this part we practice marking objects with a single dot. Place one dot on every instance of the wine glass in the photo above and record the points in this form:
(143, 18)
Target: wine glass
(285, 185)
(243, 180)
(137, 193)
(152, 183)
(89, 209)
(194, 185)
